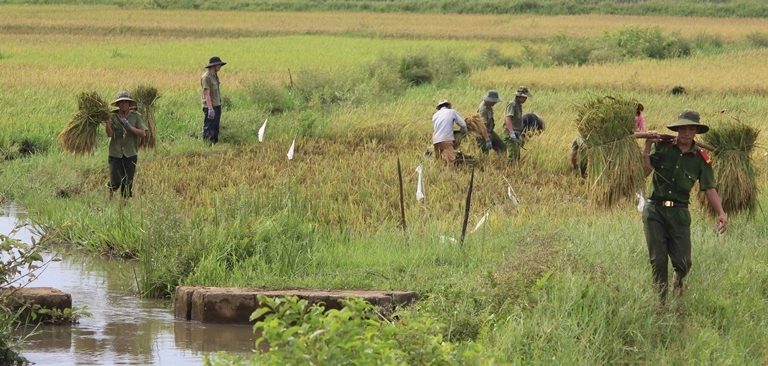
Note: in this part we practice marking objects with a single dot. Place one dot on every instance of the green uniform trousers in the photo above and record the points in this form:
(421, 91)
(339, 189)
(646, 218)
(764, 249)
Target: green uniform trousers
(668, 235)
(513, 147)
(496, 144)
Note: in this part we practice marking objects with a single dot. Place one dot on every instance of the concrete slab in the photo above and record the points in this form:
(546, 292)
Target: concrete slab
(235, 305)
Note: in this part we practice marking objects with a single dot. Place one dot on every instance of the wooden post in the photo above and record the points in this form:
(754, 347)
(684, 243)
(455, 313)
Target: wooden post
(466, 206)
(402, 204)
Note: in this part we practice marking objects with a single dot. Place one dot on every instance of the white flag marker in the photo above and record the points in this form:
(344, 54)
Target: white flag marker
(641, 203)
(261, 131)
(290, 151)
(482, 221)
(511, 194)
(419, 191)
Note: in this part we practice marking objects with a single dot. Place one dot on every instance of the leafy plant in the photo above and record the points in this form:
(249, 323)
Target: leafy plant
(292, 331)
(58, 316)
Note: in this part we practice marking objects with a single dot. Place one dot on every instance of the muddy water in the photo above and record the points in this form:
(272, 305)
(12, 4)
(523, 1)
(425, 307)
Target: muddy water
(123, 329)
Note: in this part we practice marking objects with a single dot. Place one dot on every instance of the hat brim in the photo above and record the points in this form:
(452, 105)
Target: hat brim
(214, 64)
(123, 99)
(522, 95)
(684, 122)
(489, 99)
(441, 105)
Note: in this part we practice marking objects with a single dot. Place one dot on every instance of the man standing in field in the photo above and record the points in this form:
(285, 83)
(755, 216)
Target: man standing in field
(676, 165)
(442, 138)
(513, 125)
(211, 98)
(124, 128)
(490, 140)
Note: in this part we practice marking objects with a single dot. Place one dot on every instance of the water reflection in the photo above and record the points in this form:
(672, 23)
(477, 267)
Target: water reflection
(123, 329)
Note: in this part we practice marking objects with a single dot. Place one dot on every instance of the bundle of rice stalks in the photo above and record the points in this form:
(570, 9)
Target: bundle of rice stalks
(614, 160)
(732, 164)
(145, 97)
(79, 135)
(475, 123)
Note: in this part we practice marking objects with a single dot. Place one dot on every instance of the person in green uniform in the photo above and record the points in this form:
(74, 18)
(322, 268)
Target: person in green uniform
(490, 140)
(676, 165)
(123, 128)
(513, 126)
(579, 161)
(211, 98)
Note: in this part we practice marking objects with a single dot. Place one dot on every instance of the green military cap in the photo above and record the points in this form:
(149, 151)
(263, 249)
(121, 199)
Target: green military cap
(523, 92)
(689, 117)
(492, 96)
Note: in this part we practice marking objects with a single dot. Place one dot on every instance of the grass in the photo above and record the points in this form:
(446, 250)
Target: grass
(549, 281)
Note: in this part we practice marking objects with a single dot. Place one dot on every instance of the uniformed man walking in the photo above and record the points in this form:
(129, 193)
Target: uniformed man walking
(676, 165)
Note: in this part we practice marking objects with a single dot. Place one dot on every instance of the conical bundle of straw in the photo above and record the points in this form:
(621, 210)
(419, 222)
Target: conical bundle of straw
(614, 160)
(79, 135)
(732, 163)
(145, 98)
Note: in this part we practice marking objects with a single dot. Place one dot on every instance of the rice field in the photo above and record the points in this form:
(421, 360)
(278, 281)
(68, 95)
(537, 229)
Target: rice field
(546, 278)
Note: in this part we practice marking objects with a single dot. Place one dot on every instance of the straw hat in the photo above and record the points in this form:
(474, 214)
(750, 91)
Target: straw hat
(492, 96)
(215, 60)
(123, 95)
(442, 103)
(689, 117)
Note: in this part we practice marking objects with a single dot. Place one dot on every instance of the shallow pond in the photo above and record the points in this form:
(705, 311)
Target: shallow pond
(123, 329)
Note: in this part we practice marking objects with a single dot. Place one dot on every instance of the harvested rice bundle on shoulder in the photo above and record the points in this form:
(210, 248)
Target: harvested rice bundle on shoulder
(79, 135)
(734, 141)
(475, 123)
(145, 99)
(614, 160)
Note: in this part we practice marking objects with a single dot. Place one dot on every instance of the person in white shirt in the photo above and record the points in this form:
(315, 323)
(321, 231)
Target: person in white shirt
(442, 138)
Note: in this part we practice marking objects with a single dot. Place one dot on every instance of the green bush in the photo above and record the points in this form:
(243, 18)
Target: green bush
(294, 333)
(758, 39)
(494, 57)
(271, 98)
(415, 68)
(706, 40)
(569, 51)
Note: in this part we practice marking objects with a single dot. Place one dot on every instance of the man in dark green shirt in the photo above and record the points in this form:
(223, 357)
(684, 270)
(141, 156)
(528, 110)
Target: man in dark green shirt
(123, 128)
(513, 124)
(491, 140)
(676, 165)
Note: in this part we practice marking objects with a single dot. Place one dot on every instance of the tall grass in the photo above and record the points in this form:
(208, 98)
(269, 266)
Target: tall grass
(550, 280)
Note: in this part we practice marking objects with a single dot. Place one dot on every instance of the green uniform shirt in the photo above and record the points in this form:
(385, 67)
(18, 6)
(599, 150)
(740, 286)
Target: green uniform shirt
(675, 172)
(487, 113)
(211, 82)
(124, 143)
(515, 110)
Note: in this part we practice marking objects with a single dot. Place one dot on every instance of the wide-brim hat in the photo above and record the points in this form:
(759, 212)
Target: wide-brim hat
(442, 102)
(522, 92)
(689, 117)
(215, 60)
(492, 96)
(123, 95)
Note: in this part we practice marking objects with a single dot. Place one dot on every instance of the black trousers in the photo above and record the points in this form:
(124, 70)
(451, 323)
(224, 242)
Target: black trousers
(121, 173)
(211, 126)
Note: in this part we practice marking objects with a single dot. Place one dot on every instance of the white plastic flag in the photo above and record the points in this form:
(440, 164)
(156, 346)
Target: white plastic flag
(511, 194)
(447, 239)
(641, 203)
(290, 151)
(419, 191)
(481, 222)
(261, 131)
